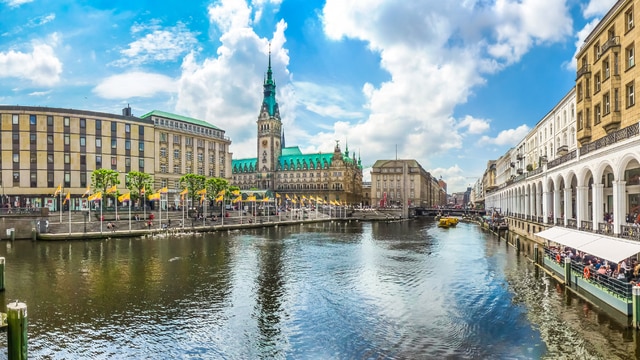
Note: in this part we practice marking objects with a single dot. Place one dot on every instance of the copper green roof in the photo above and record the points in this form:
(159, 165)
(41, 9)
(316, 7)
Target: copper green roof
(244, 165)
(187, 119)
(315, 161)
(293, 150)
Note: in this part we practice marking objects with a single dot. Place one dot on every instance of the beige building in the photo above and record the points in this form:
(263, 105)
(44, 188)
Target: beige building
(43, 148)
(395, 181)
(606, 74)
(186, 145)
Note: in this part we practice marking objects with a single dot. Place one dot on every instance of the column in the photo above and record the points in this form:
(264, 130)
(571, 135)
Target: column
(582, 203)
(619, 204)
(598, 212)
(556, 205)
(546, 201)
(567, 205)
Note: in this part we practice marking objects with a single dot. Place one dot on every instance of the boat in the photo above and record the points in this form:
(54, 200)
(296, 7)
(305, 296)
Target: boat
(447, 221)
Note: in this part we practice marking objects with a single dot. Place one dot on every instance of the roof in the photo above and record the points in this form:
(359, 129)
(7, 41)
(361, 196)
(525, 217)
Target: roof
(602, 246)
(168, 115)
(244, 165)
(307, 160)
(64, 111)
(292, 150)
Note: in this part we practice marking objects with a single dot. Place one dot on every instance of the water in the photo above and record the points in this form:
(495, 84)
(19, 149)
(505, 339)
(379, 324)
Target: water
(406, 290)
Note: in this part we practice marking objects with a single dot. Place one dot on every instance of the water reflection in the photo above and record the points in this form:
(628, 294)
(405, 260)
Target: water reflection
(332, 290)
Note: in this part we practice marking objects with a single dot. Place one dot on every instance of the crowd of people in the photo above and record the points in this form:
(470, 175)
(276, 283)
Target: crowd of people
(627, 270)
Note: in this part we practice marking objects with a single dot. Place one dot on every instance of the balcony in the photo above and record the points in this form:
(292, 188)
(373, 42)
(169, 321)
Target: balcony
(562, 150)
(611, 122)
(520, 171)
(584, 136)
(612, 42)
(583, 70)
(519, 156)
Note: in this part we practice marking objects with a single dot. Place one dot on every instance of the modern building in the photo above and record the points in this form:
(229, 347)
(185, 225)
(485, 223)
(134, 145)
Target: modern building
(187, 145)
(329, 176)
(394, 182)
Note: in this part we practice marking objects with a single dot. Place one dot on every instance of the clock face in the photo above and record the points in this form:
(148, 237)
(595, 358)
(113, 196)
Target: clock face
(264, 142)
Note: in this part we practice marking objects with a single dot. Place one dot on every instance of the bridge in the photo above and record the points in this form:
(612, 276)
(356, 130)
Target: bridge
(425, 211)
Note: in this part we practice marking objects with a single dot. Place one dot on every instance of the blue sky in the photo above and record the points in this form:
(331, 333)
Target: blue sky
(451, 84)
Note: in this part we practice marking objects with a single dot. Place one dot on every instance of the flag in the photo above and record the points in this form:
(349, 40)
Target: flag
(287, 196)
(142, 191)
(67, 198)
(164, 190)
(251, 198)
(201, 192)
(235, 192)
(58, 190)
(124, 197)
(278, 196)
(266, 199)
(96, 196)
(112, 189)
(202, 197)
(154, 196)
(239, 198)
(184, 192)
(222, 192)
(87, 192)
(219, 198)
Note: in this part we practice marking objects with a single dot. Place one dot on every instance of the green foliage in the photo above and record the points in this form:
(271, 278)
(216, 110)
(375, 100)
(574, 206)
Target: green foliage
(214, 186)
(136, 181)
(102, 179)
(193, 183)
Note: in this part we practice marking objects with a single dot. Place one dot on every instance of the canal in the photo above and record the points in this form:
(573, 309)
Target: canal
(402, 290)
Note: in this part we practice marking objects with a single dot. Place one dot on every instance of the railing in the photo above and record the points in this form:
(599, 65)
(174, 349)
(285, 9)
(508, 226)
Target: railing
(584, 69)
(555, 162)
(586, 225)
(631, 232)
(41, 211)
(613, 41)
(572, 223)
(535, 171)
(560, 221)
(540, 219)
(605, 228)
(622, 134)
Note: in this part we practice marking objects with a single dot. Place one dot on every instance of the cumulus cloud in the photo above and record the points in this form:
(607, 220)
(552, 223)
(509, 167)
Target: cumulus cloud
(509, 137)
(157, 44)
(40, 93)
(41, 66)
(473, 125)
(16, 3)
(134, 84)
(597, 8)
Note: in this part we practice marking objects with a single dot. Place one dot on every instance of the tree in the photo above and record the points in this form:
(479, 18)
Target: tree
(214, 186)
(193, 183)
(102, 179)
(136, 181)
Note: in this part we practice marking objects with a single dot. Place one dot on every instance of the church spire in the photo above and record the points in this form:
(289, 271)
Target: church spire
(270, 90)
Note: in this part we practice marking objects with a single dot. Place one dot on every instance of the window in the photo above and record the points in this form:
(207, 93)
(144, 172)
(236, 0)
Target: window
(114, 161)
(83, 123)
(127, 128)
(33, 158)
(631, 100)
(49, 120)
(189, 156)
(141, 147)
(141, 130)
(127, 162)
(49, 158)
(83, 159)
(163, 137)
(67, 179)
(579, 91)
(629, 19)
(163, 152)
(98, 161)
(16, 176)
(16, 158)
(114, 143)
(596, 82)
(176, 169)
(141, 164)
(83, 141)
(176, 154)
(83, 179)
(66, 121)
(127, 144)
(67, 139)
(114, 126)
(597, 114)
(34, 179)
(33, 138)
(98, 142)
(98, 124)
(67, 158)
(605, 69)
(14, 119)
(606, 99)
(33, 120)
(629, 51)
(176, 139)
(188, 141)
(50, 139)
(163, 168)
(200, 157)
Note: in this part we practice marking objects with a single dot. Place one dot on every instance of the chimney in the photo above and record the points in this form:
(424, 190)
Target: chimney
(126, 111)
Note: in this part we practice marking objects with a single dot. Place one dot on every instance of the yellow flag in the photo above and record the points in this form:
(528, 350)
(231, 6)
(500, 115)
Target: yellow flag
(278, 196)
(201, 192)
(112, 189)
(124, 197)
(184, 192)
(235, 192)
(142, 191)
(239, 198)
(164, 190)
(154, 196)
(251, 198)
(287, 196)
(222, 192)
(67, 198)
(96, 196)
(87, 192)
(266, 199)
(219, 198)
(58, 190)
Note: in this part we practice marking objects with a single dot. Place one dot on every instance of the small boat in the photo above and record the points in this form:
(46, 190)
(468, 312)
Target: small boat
(447, 221)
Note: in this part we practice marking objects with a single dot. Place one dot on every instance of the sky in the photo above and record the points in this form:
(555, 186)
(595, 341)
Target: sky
(451, 84)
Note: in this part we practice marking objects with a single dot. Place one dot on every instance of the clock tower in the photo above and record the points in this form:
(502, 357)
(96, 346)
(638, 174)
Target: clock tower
(269, 134)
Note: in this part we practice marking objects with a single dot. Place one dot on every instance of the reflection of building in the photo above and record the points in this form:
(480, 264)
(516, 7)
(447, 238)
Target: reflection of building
(330, 176)
(42, 148)
(185, 145)
(394, 181)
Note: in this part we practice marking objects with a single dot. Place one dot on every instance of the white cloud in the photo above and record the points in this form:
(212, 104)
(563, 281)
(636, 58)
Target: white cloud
(597, 8)
(16, 3)
(40, 93)
(158, 44)
(326, 101)
(474, 126)
(580, 36)
(134, 84)
(41, 20)
(509, 137)
(41, 66)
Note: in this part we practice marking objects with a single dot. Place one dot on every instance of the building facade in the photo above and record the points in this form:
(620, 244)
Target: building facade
(394, 182)
(278, 168)
(186, 145)
(42, 148)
